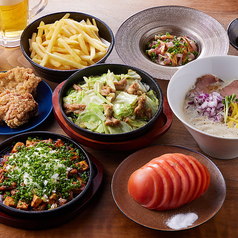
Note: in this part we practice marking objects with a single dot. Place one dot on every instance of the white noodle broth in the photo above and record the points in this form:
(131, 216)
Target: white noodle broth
(203, 123)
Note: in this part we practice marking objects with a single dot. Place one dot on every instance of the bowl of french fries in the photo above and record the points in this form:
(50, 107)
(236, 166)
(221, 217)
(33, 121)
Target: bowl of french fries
(59, 44)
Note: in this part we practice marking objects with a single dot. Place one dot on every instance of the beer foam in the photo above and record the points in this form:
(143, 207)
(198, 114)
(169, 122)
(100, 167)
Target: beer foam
(9, 2)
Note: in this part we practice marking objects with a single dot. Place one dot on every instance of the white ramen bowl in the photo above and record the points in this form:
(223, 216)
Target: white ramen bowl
(225, 68)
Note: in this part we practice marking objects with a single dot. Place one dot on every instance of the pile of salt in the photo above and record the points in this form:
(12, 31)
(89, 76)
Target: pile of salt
(180, 221)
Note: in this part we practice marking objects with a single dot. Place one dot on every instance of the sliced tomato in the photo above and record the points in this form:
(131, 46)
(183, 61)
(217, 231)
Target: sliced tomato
(168, 187)
(199, 178)
(204, 176)
(183, 176)
(141, 186)
(175, 180)
(191, 174)
(158, 188)
(208, 177)
(169, 181)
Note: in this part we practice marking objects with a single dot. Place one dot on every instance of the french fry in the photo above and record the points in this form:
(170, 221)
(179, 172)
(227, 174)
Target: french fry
(67, 44)
(65, 61)
(38, 50)
(70, 51)
(33, 39)
(92, 52)
(83, 44)
(93, 42)
(52, 42)
(40, 30)
(41, 52)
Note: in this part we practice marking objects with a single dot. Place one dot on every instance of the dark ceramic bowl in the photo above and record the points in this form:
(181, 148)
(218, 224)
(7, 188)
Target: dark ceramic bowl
(232, 31)
(6, 146)
(60, 75)
(100, 69)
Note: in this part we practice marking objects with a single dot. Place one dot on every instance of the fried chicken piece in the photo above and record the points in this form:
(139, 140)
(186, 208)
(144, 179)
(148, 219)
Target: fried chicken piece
(134, 89)
(141, 110)
(77, 87)
(16, 109)
(108, 110)
(75, 108)
(106, 90)
(19, 79)
(110, 120)
(121, 85)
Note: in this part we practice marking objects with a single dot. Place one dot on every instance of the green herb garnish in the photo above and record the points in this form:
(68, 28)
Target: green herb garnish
(227, 102)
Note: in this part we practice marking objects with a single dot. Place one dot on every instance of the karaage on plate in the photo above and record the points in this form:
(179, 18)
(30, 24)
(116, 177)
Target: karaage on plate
(17, 90)
(19, 79)
(16, 109)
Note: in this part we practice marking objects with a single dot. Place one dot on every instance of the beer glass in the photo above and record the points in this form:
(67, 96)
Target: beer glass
(14, 17)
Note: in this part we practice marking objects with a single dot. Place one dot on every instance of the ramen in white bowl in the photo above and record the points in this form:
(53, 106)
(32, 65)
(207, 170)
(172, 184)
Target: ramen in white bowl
(211, 106)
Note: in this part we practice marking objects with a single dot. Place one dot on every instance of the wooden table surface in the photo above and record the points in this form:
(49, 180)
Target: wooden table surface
(102, 218)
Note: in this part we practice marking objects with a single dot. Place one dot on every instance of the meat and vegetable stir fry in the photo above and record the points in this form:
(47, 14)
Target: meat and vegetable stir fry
(42, 174)
(111, 103)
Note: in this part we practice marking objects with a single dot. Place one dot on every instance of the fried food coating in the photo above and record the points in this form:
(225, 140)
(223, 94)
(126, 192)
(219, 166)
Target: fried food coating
(16, 109)
(17, 90)
(19, 79)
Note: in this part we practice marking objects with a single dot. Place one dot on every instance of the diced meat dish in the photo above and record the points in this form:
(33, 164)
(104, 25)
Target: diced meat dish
(171, 50)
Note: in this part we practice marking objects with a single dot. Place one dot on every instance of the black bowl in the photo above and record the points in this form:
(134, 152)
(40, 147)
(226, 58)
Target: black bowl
(60, 75)
(100, 69)
(232, 31)
(6, 146)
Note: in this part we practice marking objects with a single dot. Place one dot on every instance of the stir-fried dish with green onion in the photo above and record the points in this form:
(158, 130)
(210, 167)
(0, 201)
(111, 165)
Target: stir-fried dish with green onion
(42, 174)
(170, 50)
(111, 103)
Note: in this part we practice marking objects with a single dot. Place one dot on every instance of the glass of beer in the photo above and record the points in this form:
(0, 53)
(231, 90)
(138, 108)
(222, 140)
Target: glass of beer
(14, 17)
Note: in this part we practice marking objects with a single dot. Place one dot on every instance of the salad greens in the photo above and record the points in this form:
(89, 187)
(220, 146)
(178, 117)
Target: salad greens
(130, 105)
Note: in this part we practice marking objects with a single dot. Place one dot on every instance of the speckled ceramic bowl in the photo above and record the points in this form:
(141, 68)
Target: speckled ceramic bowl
(134, 33)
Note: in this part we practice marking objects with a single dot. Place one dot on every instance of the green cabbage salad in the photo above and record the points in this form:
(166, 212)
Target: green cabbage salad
(126, 105)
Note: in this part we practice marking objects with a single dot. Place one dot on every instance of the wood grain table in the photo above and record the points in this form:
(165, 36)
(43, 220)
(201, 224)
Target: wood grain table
(102, 218)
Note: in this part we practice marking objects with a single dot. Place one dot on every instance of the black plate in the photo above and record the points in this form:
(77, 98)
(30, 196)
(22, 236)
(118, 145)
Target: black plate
(6, 146)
